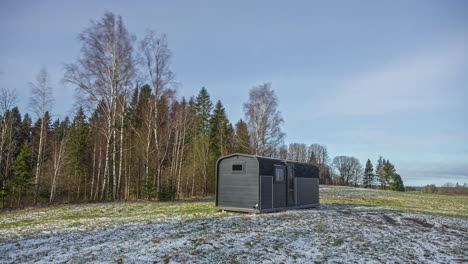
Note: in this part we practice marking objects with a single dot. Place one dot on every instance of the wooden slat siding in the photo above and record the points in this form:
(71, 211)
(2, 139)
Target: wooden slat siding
(236, 189)
(280, 194)
(307, 191)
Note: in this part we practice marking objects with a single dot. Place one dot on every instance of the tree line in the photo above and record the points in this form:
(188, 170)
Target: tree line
(132, 138)
(447, 188)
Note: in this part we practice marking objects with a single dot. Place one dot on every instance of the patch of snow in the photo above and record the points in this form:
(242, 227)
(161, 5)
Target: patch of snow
(335, 233)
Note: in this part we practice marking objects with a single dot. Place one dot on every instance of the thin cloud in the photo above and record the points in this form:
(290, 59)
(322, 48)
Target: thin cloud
(413, 83)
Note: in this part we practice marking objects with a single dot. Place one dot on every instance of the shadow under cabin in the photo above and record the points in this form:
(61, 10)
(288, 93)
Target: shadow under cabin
(255, 184)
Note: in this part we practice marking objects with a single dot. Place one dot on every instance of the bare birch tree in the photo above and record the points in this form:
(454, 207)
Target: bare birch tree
(319, 153)
(40, 102)
(103, 73)
(7, 135)
(298, 152)
(58, 162)
(264, 120)
(349, 169)
(156, 57)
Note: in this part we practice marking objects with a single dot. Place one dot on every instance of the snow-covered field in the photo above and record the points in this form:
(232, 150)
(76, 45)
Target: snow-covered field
(195, 232)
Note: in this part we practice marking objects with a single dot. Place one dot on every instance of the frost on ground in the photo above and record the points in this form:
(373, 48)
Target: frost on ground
(336, 233)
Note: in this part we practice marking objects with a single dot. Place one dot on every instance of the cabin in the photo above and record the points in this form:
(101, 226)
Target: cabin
(247, 183)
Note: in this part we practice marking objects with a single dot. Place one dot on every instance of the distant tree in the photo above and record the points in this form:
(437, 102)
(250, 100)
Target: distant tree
(318, 155)
(379, 171)
(242, 138)
(397, 183)
(283, 152)
(448, 185)
(349, 169)
(264, 120)
(429, 189)
(368, 179)
(40, 102)
(392, 178)
(298, 152)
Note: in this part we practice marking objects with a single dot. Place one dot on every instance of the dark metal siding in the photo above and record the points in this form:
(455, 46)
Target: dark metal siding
(238, 189)
(304, 170)
(279, 194)
(266, 191)
(307, 191)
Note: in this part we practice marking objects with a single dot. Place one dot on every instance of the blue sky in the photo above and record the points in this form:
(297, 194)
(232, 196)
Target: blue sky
(365, 78)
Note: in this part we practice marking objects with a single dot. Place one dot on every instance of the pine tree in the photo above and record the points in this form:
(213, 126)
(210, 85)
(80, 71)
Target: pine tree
(388, 170)
(132, 114)
(77, 145)
(15, 116)
(201, 141)
(203, 107)
(368, 174)
(392, 178)
(313, 159)
(219, 131)
(242, 138)
(25, 129)
(380, 172)
(22, 170)
(398, 183)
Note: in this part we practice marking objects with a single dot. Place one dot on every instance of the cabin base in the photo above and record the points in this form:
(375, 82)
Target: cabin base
(246, 210)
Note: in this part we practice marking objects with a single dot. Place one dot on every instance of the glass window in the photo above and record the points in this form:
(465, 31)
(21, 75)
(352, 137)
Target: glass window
(290, 177)
(279, 174)
(237, 167)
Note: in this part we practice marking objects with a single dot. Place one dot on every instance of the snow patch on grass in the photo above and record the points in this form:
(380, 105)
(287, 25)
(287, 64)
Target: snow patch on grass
(195, 232)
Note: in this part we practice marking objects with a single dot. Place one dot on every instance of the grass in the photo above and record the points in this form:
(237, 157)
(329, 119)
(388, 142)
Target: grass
(452, 205)
(91, 215)
(88, 216)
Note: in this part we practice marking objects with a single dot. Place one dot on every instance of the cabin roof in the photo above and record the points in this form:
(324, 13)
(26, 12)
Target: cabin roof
(267, 163)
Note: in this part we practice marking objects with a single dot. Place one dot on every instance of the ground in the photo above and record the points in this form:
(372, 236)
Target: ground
(353, 225)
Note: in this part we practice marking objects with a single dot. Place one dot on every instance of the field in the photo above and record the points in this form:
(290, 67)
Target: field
(352, 226)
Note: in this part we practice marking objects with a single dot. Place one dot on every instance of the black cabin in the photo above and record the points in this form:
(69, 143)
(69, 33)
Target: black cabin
(248, 183)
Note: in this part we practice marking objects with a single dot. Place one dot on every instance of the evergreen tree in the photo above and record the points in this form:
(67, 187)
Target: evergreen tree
(397, 184)
(379, 171)
(16, 124)
(25, 129)
(388, 170)
(132, 113)
(368, 174)
(220, 128)
(77, 144)
(313, 159)
(392, 178)
(76, 152)
(201, 142)
(242, 138)
(22, 170)
(203, 107)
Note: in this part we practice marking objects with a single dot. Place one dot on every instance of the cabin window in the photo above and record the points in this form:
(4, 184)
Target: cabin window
(279, 174)
(291, 177)
(238, 167)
